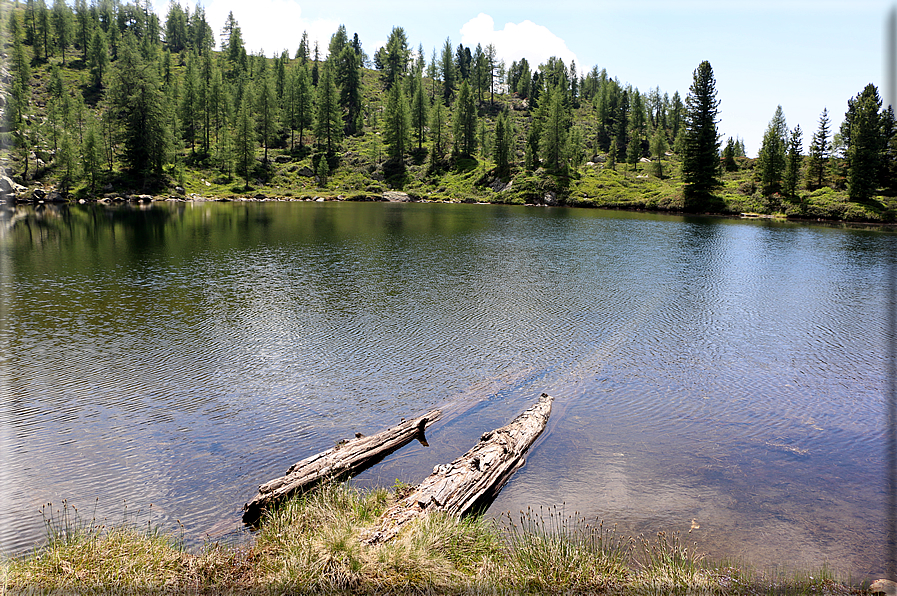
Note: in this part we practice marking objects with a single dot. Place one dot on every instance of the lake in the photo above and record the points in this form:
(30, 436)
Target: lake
(718, 377)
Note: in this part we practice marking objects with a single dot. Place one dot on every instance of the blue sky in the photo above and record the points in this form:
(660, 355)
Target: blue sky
(804, 55)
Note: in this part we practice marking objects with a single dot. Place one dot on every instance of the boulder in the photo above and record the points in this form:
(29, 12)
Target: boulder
(305, 171)
(394, 196)
(9, 188)
(55, 197)
(283, 159)
(550, 198)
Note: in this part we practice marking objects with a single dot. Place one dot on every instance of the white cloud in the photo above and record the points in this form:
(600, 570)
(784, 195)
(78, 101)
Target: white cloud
(268, 25)
(517, 40)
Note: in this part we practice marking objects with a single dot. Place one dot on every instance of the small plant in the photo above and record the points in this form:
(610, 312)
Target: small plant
(550, 549)
(670, 563)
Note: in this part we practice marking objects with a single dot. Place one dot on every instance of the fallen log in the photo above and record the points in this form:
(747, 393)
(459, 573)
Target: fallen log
(346, 459)
(473, 480)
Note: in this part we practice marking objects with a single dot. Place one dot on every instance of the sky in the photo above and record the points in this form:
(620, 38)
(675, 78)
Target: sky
(804, 55)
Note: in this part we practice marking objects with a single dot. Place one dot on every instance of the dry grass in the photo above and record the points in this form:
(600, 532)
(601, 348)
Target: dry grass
(312, 544)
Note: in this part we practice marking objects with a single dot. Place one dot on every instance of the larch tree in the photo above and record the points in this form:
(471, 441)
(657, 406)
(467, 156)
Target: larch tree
(465, 122)
(419, 111)
(397, 124)
(700, 159)
(329, 121)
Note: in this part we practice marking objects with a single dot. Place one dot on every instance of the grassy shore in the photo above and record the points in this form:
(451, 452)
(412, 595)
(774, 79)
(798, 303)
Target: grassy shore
(313, 544)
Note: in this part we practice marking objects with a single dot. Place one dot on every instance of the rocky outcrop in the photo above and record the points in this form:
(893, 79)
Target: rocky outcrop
(10, 189)
(394, 196)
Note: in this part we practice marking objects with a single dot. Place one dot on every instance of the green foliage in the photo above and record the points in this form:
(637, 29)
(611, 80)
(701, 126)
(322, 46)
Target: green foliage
(862, 132)
(793, 163)
(419, 111)
(465, 122)
(397, 124)
(140, 109)
(700, 161)
(329, 121)
(771, 158)
(658, 150)
(553, 144)
(818, 153)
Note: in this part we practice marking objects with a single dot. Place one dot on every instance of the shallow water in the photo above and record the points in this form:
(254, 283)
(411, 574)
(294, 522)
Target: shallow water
(708, 372)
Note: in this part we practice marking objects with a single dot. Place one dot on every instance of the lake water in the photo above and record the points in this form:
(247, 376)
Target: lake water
(161, 362)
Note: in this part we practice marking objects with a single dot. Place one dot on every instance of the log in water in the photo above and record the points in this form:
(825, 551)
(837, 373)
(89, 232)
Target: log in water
(471, 481)
(346, 459)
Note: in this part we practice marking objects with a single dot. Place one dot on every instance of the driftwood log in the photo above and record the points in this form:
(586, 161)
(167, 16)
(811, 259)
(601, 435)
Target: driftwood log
(344, 460)
(472, 480)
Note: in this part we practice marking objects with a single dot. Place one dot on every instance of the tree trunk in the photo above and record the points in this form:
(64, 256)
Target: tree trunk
(472, 481)
(344, 460)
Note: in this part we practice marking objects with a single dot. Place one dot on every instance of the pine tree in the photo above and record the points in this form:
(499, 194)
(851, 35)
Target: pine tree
(98, 60)
(729, 156)
(190, 108)
(700, 159)
(348, 79)
(419, 111)
(818, 154)
(300, 104)
(245, 138)
(140, 109)
(91, 154)
(447, 68)
(465, 122)
(66, 164)
(329, 121)
(397, 123)
(553, 144)
(862, 133)
(267, 114)
(792, 165)
(612, 155)
(438, 134)
(658, 150)
(771, 158)
(62, 26)
(502, 150)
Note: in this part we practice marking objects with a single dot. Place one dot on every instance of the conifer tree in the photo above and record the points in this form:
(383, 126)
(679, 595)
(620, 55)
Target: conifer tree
(62, 26)
(771, 158)
(91, 154)
(818, 153)
(438, 134)
(299, 104)
(419, 112)
(729, 156)
(267, 114)
(502, 150)
(553, 144)
(658, 150)
(190, 108)
(245, 137)
(348, 78)
(792, 165)
(861, 132)
(447, 68)
(465, 122)
(397, 123)
(700, 159)
(612, 155)
(98, 60)
(66, 164)
(329, 121)
(140, 109)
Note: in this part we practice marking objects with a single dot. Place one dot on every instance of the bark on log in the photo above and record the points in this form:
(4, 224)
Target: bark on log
(472, 480)
(344, 460)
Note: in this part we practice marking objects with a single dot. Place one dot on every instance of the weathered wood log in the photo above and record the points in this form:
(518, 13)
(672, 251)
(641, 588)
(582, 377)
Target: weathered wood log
(472, 480)
(346, 459)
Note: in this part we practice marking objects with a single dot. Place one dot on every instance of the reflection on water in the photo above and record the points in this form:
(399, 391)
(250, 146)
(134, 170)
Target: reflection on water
(712, 371)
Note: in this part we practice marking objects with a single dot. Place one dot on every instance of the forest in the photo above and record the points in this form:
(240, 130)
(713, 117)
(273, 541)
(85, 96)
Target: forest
(107, 100)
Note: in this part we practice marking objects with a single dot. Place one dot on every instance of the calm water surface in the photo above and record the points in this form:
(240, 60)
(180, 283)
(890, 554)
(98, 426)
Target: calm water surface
(708, 372)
